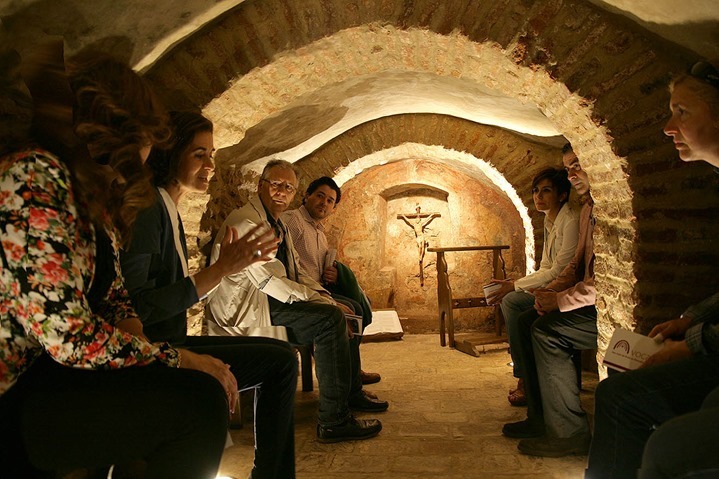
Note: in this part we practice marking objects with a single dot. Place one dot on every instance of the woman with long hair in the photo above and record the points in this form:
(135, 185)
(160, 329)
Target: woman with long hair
(157, 277)
(80, 385)
(550, 192)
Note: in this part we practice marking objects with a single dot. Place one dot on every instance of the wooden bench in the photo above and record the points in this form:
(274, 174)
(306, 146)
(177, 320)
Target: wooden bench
(447, 303)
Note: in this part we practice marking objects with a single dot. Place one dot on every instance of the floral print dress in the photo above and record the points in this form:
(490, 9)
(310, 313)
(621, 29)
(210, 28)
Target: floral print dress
(47, 265)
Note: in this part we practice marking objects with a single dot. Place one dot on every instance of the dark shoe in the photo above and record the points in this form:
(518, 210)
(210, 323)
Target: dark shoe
(363, 402)
(523, 429)
(370, 378)
(351, 430)
(577, 445)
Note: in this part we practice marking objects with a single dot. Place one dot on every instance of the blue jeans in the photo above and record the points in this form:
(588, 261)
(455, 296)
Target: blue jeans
(324, 326)
(630, 406)
(514, 304)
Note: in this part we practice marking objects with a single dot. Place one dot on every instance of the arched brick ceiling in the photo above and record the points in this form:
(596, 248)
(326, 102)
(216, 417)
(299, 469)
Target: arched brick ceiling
(150, 29)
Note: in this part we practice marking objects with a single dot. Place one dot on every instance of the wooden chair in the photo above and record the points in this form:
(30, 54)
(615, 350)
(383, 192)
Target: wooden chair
(447, 303)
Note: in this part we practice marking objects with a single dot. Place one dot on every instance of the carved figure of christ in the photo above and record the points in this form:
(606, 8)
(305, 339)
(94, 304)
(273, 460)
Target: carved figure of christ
(418, 222)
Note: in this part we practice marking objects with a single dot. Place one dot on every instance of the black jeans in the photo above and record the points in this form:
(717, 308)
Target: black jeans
(630, 406)
(270, 366)
(56, 419)
(355, 359)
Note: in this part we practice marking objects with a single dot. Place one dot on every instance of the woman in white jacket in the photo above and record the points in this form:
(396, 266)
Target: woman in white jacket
(550, 191)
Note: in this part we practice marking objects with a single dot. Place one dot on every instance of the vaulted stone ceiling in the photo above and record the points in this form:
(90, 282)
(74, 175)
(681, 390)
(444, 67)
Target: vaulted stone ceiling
(146, 31)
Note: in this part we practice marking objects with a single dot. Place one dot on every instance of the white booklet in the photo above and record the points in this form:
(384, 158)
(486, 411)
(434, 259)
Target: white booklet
(628, 350)
(330, 258)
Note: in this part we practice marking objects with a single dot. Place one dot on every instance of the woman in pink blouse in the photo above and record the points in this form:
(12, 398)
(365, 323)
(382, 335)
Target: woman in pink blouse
(80, 385)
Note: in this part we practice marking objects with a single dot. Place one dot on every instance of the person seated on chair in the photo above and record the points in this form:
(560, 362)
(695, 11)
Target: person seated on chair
(161, 288)
(305, 225)
(671, 401)
(550, 191)
(279, 293)
(80, 386)
(563, 320)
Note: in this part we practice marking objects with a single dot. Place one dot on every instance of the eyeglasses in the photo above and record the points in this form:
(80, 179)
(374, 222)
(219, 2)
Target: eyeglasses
(281, 185)
(705, 72)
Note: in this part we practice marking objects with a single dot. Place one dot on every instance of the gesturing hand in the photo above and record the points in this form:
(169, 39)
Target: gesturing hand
(238, 253)
(215, 368)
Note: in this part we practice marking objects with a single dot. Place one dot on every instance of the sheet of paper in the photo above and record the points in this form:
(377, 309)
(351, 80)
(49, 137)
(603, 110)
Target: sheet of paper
(628, 350)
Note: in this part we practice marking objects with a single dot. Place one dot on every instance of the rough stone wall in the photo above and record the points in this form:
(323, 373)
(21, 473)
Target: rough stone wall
(656, 251)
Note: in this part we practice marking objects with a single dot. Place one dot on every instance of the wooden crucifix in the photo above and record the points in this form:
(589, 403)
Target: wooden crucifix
(421, 220)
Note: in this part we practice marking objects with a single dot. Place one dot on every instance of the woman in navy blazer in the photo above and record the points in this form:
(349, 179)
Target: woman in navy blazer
(161, 288)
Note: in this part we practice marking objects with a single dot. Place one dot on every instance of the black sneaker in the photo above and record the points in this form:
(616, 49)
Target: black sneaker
(523, 429)
(363, 402)
(351, 430)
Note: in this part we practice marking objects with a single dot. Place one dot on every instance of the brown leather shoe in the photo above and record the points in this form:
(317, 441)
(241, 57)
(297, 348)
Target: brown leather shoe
(370, 378)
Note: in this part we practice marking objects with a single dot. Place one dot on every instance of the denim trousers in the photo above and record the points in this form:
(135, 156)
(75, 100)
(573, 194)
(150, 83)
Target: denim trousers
(355, 360)
(514, 304)
(630, 406)
(324, 326)
(546, 345)
(270, 367)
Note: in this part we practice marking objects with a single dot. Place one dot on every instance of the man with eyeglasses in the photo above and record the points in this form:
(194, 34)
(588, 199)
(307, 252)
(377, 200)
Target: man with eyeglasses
(269, 296)
(563, 321)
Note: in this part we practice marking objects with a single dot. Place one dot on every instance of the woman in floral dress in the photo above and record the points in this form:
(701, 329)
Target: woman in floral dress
(80, 385)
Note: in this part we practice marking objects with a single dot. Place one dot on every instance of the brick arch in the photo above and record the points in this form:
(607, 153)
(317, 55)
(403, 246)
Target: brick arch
(599, 79)
(460, 161)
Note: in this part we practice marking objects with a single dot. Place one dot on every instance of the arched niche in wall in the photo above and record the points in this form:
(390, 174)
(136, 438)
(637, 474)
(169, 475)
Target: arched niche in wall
(382, 248)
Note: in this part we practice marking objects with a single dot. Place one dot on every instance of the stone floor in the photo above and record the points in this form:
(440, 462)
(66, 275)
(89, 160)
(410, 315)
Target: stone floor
(444, 421)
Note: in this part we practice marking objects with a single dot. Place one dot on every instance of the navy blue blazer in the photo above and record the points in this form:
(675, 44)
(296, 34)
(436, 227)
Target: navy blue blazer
(154, 277)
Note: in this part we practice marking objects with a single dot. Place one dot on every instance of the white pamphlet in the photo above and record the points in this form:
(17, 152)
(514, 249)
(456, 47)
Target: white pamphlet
(489, 289)
(628, 350)
(330, 258)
